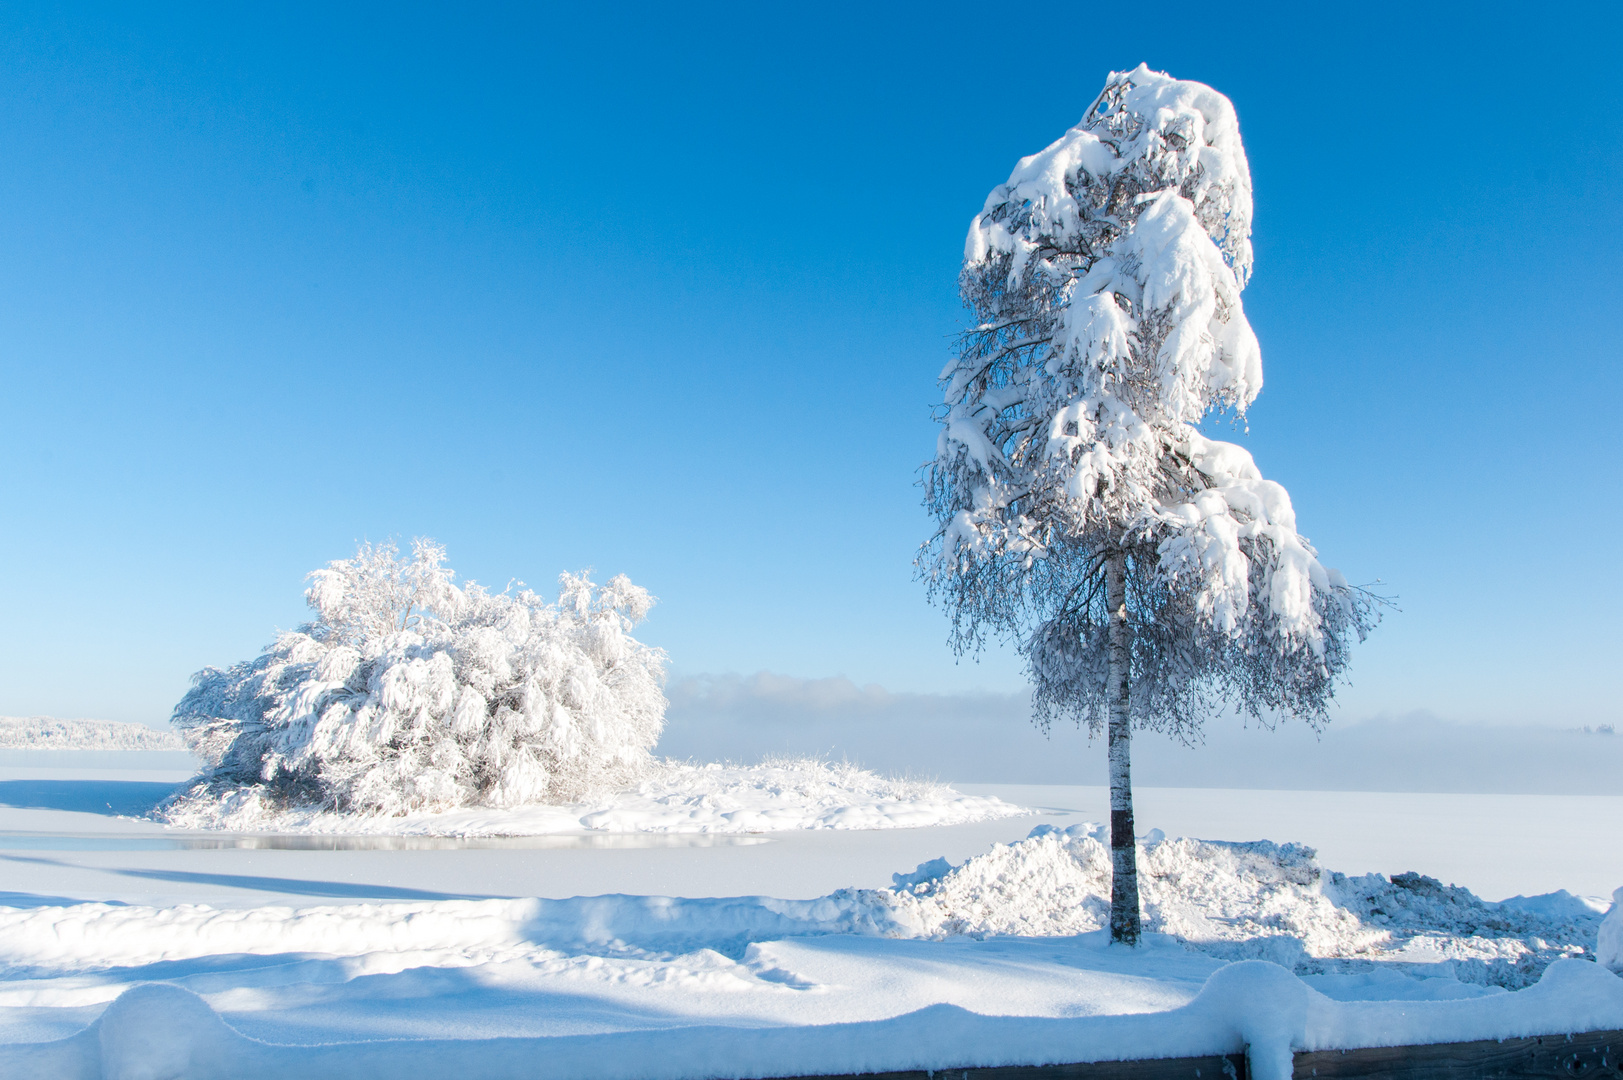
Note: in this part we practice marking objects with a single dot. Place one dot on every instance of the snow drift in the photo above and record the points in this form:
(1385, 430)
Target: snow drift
(1256, 900)
(410, 693)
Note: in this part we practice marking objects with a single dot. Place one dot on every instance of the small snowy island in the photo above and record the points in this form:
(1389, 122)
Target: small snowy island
(413, 706)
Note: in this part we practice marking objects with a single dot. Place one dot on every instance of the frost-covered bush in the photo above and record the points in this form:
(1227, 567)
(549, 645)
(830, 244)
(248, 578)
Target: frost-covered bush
(409, 693)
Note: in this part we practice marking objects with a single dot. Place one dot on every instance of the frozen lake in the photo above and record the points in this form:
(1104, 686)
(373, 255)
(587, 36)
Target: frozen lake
(73, 835)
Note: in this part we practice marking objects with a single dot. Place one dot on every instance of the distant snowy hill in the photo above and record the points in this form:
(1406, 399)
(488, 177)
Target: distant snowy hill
(49, 733)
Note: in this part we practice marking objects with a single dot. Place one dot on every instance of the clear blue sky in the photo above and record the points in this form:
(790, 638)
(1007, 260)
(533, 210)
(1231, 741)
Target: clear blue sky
(664, 290)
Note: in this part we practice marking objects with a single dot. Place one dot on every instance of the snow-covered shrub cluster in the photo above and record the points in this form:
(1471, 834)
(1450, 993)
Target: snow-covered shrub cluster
(410, 693)
(1257, 900)
(49, 733)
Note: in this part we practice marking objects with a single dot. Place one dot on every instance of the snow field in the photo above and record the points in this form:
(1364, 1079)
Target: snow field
(676, 797)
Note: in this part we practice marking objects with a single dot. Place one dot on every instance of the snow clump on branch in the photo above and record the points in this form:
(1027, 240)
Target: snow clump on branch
(409, 693)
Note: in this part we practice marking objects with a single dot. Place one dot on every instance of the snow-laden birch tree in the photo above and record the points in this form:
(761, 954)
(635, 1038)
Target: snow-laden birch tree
(1149, 575)
(408, 692)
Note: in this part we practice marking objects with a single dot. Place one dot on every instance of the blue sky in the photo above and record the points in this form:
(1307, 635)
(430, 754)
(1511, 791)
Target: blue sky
(664, 291)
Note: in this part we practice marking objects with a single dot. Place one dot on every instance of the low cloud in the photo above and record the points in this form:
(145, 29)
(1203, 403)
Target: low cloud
(989, 738)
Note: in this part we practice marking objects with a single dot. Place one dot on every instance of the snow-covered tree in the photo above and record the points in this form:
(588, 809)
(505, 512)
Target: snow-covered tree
(1149, 575)
(408, 692)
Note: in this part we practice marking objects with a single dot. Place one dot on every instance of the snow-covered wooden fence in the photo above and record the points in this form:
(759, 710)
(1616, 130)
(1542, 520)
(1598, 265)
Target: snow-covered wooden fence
(1593, 1055)
(1590, 1055)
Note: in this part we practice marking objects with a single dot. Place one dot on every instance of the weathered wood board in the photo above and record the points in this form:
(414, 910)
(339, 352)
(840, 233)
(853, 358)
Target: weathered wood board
(1592, 1055)
(1215, 1067)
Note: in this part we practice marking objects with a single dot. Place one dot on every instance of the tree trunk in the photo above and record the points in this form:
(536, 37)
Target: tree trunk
(1124, 917)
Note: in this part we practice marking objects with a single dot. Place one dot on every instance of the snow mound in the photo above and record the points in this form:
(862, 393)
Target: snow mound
(677, 797)
(49, 733)
(1256, 900)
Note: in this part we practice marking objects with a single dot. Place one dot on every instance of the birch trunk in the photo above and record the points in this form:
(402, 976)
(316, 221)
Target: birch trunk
(1124, 914)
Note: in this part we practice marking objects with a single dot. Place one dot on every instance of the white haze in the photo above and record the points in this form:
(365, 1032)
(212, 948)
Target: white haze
(989, 738)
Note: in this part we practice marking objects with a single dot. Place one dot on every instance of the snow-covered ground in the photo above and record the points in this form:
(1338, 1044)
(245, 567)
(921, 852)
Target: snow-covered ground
(652, 939)
(678, 797)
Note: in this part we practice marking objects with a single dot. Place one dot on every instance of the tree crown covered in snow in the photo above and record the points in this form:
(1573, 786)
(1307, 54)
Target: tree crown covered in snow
(408, 692)
(1104, 278)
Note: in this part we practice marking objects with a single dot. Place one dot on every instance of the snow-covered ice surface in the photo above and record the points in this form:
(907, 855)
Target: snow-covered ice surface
(678, 797)
(49, 733)
(986, 956)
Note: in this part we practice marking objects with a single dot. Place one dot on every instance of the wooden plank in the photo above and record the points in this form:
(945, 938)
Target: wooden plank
(1592, 1055)
(1214, 1067)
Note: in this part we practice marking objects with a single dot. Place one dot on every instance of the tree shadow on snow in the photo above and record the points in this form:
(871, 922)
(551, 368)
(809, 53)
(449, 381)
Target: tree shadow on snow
(314, 998)
(348, 890)
(33, 900)
(110, 798)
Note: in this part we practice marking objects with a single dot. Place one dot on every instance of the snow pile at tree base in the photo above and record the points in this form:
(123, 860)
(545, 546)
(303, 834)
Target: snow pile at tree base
(678, 797)
(1257, 900)
(49, 733)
